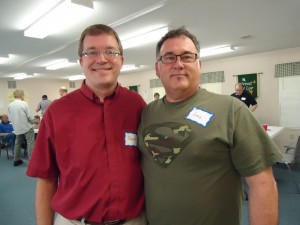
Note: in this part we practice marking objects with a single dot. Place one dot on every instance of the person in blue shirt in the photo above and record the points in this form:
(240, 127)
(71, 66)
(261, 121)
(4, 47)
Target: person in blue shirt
(6, 132)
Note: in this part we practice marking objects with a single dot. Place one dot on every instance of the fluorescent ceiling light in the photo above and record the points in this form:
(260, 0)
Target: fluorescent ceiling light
(139, 13)
(59, 17)
(21, 76)
(39, 9)
(4, 58)
(129, 67)
(60, 64)
(144, 38)
(76, 77)
(215, 50)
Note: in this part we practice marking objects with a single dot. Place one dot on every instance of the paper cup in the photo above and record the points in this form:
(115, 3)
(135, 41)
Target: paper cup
(265, 126)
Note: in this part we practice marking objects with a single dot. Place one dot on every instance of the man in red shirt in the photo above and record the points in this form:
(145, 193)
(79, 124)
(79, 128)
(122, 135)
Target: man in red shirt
(88, 168)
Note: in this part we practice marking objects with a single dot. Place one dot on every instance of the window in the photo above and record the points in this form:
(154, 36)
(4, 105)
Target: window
(289, 100)
(213, 87)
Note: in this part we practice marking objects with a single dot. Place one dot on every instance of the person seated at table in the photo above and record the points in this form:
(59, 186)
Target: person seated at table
(36, 125)
(6, 132)
(36, 122)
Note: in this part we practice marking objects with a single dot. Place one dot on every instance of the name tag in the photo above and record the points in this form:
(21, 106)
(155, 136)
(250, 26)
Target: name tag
(243, 98)
(200, 116)
(130, 139)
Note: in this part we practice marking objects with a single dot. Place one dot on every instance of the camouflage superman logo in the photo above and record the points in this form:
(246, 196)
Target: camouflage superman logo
(166, 141)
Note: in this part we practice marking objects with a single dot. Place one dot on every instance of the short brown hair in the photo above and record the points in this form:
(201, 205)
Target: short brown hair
(98, 29)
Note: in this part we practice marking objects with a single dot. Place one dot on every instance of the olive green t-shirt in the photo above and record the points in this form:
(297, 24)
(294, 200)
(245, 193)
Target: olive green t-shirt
(194, 153)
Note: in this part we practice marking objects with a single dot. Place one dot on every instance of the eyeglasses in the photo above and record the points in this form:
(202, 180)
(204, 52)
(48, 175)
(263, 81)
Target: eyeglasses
(185, 58)
(94, 53)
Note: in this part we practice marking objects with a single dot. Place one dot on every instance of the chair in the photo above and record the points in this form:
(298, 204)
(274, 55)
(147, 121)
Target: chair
(291, 157)
(24, 146)
(5, 146)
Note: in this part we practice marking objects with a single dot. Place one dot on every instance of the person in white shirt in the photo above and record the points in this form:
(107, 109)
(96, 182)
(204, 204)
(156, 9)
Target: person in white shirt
(22, 121)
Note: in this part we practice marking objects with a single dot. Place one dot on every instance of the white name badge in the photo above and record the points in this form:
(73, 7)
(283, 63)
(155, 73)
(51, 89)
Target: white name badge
(243, 98)
(200, 116)
(130, 139)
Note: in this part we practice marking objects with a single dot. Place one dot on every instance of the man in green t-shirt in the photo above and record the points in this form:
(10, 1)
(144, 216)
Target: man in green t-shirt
(196, 151)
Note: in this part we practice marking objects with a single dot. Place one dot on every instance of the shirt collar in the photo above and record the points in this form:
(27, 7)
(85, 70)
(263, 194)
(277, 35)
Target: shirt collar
(86, 91)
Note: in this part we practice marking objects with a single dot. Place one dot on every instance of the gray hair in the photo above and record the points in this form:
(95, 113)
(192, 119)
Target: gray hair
(181, 31)
(18, 93)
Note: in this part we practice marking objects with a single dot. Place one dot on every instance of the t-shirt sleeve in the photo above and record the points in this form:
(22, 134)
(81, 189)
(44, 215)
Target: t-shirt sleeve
(253, 150)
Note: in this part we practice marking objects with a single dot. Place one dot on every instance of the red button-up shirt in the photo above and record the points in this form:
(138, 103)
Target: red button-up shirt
(91, 147)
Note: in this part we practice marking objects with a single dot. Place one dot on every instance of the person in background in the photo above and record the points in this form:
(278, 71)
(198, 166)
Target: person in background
(89, 172)
(245, 96)
(22, 120)
(156, 96)
(7, 132)
(36, 125)
(63, 91)
(36, 122)
(43, 105)
(195, 153)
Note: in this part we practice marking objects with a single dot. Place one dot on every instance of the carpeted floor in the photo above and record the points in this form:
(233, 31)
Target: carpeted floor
(289, 200)
(17, 193)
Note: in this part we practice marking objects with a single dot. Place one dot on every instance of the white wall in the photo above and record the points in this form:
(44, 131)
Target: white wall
(268, 87)
(268, 110)
(141, 79)
(34, 89)
(268, 100)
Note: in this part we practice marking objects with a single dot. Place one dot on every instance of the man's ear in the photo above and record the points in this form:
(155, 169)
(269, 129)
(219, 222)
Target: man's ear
(157, 70)
(122, 60)
(199, 64)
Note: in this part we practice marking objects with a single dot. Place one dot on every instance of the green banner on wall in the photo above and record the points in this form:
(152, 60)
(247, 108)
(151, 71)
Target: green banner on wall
(249, 82)
(133, 88)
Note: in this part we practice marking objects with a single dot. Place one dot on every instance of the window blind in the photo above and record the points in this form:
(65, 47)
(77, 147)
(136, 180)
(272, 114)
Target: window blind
(287, 69)
(212, 77)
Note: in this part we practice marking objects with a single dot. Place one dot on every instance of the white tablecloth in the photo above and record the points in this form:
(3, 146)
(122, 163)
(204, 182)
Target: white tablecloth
(273, 131)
